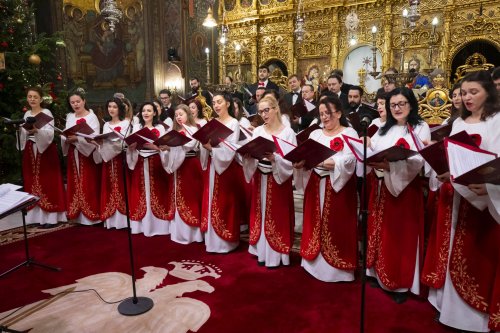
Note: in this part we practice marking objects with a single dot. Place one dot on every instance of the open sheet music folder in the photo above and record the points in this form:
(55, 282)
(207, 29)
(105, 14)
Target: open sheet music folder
(435, 154)
(391, 154)
(471, 165)
(11, 199)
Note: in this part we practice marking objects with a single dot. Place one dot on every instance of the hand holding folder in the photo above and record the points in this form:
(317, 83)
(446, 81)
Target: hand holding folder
(141, 137)
(41, 118)
(391, 154)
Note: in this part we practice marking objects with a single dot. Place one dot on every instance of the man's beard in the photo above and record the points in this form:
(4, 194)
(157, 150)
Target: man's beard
(354, 106)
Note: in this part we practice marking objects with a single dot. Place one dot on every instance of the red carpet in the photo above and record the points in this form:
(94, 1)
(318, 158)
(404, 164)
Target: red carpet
(247, 298)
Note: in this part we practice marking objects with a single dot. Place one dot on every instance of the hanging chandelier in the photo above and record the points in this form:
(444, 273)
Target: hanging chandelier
(111, 13)
(413, 13)
(351, 24)
(210, 21)
(300, 29)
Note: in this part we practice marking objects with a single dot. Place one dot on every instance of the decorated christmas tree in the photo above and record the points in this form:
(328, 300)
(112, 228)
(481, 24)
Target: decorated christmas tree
(26, 59)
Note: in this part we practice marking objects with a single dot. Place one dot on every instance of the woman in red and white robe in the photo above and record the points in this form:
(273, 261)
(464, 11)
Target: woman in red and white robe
(83, 165)
(151, 200)
(184, 163)
(223, 189)
(329, 244)
(470, 297)
(438, 211)
(41, 166)
(113, 209)
(396, 242)
(271, 211)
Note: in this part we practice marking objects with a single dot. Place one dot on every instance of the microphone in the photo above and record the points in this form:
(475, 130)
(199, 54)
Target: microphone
(28, 120)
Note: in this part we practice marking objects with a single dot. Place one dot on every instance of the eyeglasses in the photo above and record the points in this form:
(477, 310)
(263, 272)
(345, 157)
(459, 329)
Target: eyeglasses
(266, 111)
(399, 104)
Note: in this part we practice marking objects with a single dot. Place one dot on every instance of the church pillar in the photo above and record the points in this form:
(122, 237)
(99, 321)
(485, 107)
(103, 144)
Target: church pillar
(335, 39)
(444, 47)
(387, 55)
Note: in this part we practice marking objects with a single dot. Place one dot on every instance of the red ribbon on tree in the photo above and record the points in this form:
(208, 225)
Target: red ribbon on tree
(337, 144)
(476, 138)
(81, 120)
(155, 132)
(402, 143)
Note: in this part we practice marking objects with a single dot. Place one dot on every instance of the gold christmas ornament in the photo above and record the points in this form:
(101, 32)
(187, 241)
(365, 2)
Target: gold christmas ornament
(35, 59)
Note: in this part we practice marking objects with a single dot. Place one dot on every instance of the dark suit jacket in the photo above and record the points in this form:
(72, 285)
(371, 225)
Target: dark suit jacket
(288, 98)
(167, 112)
(307, 119)
(345, 102)
(270, 85)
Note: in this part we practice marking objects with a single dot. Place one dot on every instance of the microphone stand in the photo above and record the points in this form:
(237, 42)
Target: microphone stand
(364, 227)
(29, 261)
(134, 305)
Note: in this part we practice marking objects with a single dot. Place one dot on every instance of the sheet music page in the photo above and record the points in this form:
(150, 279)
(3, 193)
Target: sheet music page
(283, 145)
(11, 199)
(462, 159)
(357, 146)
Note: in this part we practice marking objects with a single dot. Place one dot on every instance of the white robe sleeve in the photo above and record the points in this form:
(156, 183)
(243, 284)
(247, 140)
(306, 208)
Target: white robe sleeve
(44, 137)
(176, 157)
(301, 178)
(402, 173)
(345, 166)
(222, 155)
(494, 201)
(87, 148)
(282, 168)
(132, 158)
(249, 165)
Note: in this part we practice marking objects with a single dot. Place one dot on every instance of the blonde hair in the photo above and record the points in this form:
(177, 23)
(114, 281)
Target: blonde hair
(190, 119)
(273, 103)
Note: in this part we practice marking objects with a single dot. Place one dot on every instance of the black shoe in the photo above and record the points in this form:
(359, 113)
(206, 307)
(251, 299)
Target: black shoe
(399, 297)
(373, 283)
(48, 226)
(261, 263)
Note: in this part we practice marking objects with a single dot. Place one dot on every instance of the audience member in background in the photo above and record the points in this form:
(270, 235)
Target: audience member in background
(167, 107)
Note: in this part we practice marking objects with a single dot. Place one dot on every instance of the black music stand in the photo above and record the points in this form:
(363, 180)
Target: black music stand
(30, 261)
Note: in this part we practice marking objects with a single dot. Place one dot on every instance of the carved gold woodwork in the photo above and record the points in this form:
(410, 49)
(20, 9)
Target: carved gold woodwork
(475, 62)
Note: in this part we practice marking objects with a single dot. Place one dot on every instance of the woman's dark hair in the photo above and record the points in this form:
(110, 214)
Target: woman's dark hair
(227, 97)
(155, 117)
(76, 93)
(240, 108)
(454, 112)
(333, 104)
(199, 107)
(492, 103)
(121, 107)
(381, 94)
(413, 117)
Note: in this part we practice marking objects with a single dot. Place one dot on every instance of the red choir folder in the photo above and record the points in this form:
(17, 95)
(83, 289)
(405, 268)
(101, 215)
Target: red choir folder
(301, 109)
(107, 136)
(438, 133)
(141, 137)
(172, 139)
(435, 154)
(256, 120)
(372, 130)
(257, 148)
(213, 131)
(42, 119)
(82, 127)
(310, 151)
(471, 165)
(304, 134)
(391, 154)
